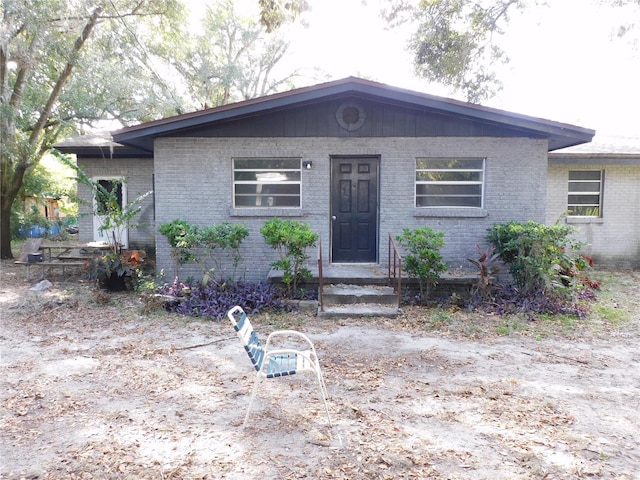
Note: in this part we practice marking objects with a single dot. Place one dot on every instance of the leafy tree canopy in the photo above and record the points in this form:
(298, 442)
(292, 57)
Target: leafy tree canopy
(64, 63)
(453, 42)
(231, 59)
(456, 42)
(67, 64)
(273, 13)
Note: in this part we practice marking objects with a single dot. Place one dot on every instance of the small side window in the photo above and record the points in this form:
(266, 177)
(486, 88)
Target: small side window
(585, 193)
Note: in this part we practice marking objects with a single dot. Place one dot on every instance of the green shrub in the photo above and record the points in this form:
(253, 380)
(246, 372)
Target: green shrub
(207, 246)
(216, 240)
(422, 258)
(32, 218)
(540, 257)
(183, 240)
(291, 239)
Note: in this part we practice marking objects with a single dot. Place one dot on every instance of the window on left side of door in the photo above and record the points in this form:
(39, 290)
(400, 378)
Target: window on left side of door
(266, 182)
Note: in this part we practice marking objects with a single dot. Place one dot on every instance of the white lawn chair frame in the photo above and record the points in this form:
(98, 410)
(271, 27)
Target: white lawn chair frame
(278, 362)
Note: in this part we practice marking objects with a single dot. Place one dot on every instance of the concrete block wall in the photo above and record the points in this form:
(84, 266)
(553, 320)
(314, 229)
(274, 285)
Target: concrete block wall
(614, 239)
(194, 182)
(138, 174)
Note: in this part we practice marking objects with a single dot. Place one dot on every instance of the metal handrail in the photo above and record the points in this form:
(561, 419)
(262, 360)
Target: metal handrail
(320, 278)
(395, 274)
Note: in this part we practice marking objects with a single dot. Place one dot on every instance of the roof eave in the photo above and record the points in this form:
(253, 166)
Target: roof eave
(560, 135)
(123, 151)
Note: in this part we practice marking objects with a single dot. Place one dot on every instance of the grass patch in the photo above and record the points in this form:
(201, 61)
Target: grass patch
(568, 322)
(471, 329)
(612, 315)
(510, 326)
(427, 318)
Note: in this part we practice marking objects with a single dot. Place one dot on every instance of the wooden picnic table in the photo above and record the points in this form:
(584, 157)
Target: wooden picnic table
(72, 250)
(59, 254)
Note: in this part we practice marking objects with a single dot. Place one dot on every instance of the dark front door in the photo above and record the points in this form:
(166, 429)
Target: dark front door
(354, 209)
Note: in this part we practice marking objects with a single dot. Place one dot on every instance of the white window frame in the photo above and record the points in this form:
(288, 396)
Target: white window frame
(481, 182)
(121, 234)
(599, 193)
(267, 172)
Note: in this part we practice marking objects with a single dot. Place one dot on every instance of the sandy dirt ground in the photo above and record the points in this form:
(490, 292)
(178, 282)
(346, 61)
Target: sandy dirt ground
(95, 387)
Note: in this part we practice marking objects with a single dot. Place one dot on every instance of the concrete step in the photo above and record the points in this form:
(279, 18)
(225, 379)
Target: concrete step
(350, 294)
(358, 310)
(343, 301)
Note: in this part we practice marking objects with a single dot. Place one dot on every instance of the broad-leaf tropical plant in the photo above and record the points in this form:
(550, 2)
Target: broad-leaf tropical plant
(114, 216)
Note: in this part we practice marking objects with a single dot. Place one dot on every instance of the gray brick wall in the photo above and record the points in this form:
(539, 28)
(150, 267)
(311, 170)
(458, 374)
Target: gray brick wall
(614, 239)
(138, 174)
(195, 181)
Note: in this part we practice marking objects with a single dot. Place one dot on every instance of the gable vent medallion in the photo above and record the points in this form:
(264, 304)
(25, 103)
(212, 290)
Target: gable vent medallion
(350, 116)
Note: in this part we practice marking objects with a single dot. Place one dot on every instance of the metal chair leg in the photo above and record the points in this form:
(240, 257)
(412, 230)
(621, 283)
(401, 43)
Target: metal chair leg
(253, 396)
(323, 395)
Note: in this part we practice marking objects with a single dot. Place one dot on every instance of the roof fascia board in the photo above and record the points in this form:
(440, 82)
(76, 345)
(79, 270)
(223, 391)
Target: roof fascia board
(593, 159)
(105, 152)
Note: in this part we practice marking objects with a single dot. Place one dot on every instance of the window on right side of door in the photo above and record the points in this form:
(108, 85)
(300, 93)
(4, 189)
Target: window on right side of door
(449, 182)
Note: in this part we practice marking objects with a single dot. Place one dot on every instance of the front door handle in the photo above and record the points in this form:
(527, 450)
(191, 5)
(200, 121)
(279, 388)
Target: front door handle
(333, 217)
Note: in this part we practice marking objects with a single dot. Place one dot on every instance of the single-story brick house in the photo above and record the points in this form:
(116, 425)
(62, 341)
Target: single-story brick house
(596, 188)
(357, 160)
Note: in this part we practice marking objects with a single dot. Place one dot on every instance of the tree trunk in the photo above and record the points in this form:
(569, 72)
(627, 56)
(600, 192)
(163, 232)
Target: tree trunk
(10, 189)
(8, 198)
(5, 231)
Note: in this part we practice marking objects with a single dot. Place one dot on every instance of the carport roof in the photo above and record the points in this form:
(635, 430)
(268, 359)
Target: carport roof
(560, 135)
